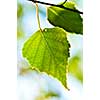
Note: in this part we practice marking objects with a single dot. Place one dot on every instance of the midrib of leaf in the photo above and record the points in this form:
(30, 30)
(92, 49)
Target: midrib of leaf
(51, 52)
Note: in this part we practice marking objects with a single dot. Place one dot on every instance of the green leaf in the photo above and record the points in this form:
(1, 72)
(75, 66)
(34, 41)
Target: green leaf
(48, 51)
(68, 20)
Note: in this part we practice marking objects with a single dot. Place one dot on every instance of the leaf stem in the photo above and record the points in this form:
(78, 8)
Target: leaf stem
(38, 19)
(60, 6)
(64, 2)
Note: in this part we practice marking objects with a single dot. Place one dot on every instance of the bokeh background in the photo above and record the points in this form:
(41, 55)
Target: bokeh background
(32, 85)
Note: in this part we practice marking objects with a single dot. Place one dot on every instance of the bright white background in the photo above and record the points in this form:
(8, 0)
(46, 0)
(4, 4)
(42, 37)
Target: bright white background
(8, 50)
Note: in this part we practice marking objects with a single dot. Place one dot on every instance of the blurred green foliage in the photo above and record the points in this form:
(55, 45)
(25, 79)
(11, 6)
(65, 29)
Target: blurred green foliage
(19, 20)
(19, 31)
(19, 10)
(47, 96)
(75, 67)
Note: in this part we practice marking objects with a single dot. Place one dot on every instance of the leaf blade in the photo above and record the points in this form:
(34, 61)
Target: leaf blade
(48, 52)
(68, 20)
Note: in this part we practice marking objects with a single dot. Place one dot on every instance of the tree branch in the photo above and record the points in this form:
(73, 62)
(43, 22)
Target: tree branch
(60, 6)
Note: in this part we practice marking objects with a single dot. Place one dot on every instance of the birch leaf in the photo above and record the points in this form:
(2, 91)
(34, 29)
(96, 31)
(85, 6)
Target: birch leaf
(48, 51)
(66, 19)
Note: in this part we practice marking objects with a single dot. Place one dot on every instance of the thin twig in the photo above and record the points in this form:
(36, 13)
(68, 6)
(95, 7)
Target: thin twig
(60, 6)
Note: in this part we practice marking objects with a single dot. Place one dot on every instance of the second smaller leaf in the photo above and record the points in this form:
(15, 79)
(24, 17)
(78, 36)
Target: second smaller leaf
(69, 20)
